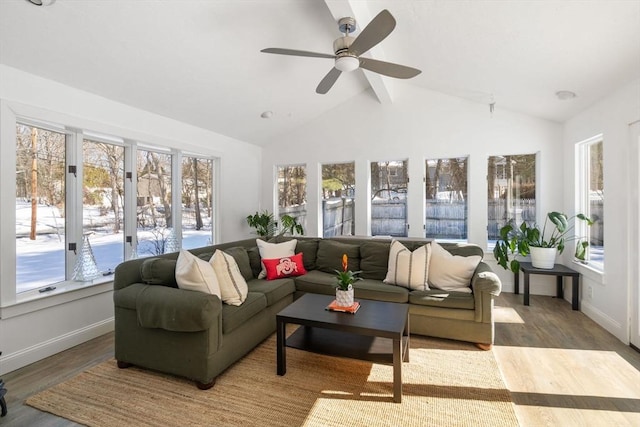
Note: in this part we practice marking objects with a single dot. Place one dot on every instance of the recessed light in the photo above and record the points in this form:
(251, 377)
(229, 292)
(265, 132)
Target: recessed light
(266, 114)
(42, 2)
(565, 94)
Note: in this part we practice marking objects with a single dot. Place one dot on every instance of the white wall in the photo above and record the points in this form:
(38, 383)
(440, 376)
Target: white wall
(422, 124)
(610, 117)
(36, 329)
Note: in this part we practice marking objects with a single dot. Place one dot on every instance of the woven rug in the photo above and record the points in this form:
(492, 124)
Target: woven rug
(446, 383)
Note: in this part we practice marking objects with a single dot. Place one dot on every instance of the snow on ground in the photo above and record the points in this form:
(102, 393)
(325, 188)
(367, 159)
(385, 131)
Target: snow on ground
(41, 262)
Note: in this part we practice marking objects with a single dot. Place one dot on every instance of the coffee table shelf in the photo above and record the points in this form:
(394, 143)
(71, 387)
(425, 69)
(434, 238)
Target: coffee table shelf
(344, 344)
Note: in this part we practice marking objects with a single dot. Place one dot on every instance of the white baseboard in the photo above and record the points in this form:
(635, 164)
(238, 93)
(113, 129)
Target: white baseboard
(611, 325)
(24, 357)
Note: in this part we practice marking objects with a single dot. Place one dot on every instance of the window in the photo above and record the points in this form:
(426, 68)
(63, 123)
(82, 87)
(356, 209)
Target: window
(40, 207)
(590, 198)
(85, 201)
(103, 203)
(197, 202)
(154, 222)
(292, 193)
(389, 181)
(511, 192)
(338, 192)
(446, 199)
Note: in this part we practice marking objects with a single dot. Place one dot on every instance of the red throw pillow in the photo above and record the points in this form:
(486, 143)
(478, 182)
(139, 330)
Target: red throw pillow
(284, 267)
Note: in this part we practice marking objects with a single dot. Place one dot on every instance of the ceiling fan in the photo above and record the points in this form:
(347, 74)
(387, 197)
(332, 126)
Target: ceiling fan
(348, 50)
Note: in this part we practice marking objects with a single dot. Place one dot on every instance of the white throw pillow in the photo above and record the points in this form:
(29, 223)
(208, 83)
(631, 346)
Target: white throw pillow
(233, 287)
(408, 269)
(195, 274)
(451, 272)
(274, 250)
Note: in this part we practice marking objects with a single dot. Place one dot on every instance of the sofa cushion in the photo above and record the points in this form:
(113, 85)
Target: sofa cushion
(233, 287)
(309, 249)
(234, 316)
(317, 282)
(274, 250)
(195, 274)
(289, 266)
(242, 259)
(254, 261)
(409, 269)
(439, 298)
(451, 272)
(330, 253)
(376, 290)
(159, 271)
(274, 290)
(374, 258)
(462, 249)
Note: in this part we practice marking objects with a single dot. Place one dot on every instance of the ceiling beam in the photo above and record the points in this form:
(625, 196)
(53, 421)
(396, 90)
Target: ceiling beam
(360, 11)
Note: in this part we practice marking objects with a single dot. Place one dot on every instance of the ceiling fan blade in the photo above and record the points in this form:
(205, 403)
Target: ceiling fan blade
(377, 30)
(388, 68)
(294, 52)
(327, 82)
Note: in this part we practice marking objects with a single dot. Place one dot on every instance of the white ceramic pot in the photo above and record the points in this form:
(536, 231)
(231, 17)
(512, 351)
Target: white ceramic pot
(543, 257)
(344, 298)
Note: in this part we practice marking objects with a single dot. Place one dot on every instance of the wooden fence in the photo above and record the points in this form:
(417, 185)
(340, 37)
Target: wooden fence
(444, 219)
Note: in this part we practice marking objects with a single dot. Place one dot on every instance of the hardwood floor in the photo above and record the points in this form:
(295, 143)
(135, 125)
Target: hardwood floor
(561, 368)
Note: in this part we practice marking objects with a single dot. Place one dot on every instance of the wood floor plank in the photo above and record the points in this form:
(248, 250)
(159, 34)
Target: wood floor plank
(560, 366)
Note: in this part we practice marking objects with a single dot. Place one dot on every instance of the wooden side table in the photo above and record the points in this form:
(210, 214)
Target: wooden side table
(559, 271)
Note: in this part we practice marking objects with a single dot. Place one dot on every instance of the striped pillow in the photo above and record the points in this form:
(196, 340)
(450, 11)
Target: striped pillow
(233, 287)
(408, 269)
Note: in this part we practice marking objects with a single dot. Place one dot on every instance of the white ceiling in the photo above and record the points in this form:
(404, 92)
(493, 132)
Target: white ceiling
(199, 61)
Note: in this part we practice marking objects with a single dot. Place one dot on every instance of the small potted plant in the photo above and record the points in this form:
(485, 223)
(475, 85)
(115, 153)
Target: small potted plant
(524, 240)
(346, 278)
(267, 227)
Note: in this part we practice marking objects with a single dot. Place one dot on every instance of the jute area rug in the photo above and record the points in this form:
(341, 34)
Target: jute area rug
(446, 383)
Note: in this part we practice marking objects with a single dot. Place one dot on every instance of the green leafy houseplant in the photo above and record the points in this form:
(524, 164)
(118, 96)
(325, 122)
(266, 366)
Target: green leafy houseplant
(346, 277)
(266, 225)
(516, 241)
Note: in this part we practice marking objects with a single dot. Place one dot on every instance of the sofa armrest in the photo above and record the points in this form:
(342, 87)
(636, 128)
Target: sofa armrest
(177, 310)
(486, 286)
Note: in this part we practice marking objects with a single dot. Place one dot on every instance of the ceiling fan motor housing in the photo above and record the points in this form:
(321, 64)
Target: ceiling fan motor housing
(341, 45)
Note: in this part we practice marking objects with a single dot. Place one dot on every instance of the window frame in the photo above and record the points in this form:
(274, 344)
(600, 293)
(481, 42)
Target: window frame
(490, 244)
(582, 197)
(76, 130)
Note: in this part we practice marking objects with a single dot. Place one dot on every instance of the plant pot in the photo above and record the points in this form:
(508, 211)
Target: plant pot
(543, 257)
(344, 298)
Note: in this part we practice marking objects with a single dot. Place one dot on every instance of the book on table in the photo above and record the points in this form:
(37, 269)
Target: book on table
(344, 309)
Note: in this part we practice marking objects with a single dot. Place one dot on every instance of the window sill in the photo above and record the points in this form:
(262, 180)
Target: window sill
(64, 292)
(589, 272)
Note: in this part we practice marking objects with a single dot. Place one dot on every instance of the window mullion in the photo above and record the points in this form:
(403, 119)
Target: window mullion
(176, 196)
(73, 200)
(130, 201)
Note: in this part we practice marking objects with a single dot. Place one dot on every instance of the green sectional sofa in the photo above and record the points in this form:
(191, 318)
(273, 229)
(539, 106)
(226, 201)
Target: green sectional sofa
(194, 335)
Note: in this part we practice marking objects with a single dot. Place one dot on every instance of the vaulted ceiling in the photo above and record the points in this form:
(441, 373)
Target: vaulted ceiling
(199, 61)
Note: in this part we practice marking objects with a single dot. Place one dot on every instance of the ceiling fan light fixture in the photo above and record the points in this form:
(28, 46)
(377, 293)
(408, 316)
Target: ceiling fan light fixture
(564, 95)
(347, 63)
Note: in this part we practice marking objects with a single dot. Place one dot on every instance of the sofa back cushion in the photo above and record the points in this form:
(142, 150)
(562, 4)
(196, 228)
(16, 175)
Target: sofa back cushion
(374, 258)
(159, 271)
(309, 249)
(330, 254)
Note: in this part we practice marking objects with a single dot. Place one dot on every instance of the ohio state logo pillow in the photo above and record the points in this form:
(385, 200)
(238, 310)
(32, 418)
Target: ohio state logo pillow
(289, 266)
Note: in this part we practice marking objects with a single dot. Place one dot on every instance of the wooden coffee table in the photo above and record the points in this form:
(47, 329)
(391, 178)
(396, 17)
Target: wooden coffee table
(377, 332)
